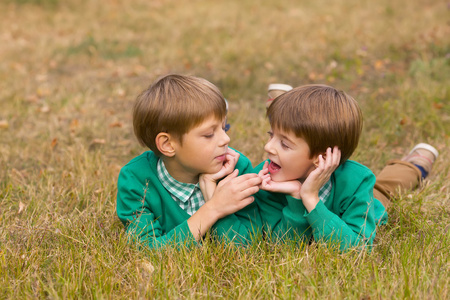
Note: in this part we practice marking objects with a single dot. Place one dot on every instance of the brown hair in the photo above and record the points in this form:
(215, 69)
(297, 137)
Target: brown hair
(175, 104)
(321, 115)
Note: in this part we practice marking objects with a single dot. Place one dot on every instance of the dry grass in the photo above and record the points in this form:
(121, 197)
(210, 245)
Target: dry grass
(69, 73)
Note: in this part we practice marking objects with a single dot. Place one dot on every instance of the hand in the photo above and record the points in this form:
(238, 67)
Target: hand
(208, 182)
(234, 193)
(292, 187)
(309, 192)
(231, 159)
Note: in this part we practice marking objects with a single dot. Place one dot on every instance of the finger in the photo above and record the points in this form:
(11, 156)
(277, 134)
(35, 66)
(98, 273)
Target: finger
(329, 157)
(243, 178)
(266, 176)
(249, 191)
(329, 165)
(266, 183)
(230, 177)
(333, 154)
(232, 152)
(244, 202)
(229, 162)
(263, 172)
(254, 181)
(233, 156)
(250, 182)
(336, 155)
(226, 169)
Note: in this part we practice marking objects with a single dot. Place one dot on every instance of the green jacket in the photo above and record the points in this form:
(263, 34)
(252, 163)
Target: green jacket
(348, 217)
(150, 214)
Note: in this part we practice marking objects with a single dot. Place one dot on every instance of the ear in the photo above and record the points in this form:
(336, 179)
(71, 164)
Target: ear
(316, 158)
(165, 144)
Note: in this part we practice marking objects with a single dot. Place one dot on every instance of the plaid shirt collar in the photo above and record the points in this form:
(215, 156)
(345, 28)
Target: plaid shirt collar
(188, 196)
(325, 191)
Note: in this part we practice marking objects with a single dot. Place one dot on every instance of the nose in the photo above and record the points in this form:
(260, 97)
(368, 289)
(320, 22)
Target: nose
(269, 147)
(225, 139)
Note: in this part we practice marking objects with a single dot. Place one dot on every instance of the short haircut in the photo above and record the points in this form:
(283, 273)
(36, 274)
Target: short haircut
(175, 104)
(321, 115)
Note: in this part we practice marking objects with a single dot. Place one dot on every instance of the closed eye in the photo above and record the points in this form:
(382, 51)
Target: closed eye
(284, 146)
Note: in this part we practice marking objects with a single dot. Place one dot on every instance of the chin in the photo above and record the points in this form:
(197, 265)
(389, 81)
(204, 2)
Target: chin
(278, 177)
(214, 170)
(282, 177)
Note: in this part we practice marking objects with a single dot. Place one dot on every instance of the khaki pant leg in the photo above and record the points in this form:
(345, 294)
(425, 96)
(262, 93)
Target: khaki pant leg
(397, 176)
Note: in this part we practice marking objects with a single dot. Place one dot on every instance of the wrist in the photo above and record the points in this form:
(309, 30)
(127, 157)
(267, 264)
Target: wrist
(208, 178)
(211, 211)
(295, 195)
(310, 202)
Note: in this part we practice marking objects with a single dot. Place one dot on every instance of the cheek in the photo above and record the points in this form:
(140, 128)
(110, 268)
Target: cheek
(297, 170)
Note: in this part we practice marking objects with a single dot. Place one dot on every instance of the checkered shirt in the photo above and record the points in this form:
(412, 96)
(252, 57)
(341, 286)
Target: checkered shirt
(188, 196)
(325, 191)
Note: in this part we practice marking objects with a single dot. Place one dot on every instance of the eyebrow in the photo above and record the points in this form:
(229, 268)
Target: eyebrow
(213, 127)
(209, 127)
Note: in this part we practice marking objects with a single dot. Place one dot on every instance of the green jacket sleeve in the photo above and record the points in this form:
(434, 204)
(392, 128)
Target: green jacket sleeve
(135, 200)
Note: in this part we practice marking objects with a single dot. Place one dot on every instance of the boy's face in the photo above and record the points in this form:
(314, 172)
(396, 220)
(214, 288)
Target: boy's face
(289, 156)
(202, 150)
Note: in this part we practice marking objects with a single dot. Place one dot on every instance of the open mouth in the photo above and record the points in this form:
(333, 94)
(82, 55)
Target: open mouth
(273, 167)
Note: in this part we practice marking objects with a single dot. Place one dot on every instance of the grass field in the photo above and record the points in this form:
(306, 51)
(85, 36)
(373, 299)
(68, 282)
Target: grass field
(70, 71)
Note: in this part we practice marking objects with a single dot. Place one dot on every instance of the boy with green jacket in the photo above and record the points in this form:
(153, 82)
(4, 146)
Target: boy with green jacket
(182, 119)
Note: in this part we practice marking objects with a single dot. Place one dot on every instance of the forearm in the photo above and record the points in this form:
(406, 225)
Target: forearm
(327, 226)
(207, 186)
(200, 222)
(149, 234)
